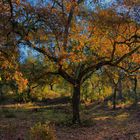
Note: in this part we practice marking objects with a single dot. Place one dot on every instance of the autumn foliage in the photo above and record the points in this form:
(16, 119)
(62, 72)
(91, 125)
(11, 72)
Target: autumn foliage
(76, 38)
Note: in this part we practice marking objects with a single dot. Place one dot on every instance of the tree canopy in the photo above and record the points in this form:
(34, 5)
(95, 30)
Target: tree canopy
(76, 37)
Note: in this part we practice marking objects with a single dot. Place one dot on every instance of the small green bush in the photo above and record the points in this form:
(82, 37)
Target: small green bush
(42, 132)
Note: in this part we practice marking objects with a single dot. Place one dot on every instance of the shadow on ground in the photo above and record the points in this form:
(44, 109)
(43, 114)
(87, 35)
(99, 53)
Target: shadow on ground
(98, 122)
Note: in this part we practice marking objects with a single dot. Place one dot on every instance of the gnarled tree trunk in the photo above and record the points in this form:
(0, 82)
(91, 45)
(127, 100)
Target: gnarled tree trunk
(76, 104)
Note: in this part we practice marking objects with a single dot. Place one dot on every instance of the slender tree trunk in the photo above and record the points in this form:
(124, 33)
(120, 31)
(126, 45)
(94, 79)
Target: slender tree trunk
(1, 94)
(120, 97)
(29, 93)
(51, 87)
(29, 90)
(76, 104)
(114, 98)
(135, 90)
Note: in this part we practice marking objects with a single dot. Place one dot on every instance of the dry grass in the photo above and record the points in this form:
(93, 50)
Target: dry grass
(98, 124)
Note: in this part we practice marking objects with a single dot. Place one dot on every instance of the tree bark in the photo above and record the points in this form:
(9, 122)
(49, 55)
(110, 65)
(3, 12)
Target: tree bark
(51, 87)
(135, 90)
(1, 94)
(114, 98)
(29, 93)
(120, 97)
(76, 104)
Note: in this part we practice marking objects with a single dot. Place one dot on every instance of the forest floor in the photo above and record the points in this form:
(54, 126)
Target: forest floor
(98, 122)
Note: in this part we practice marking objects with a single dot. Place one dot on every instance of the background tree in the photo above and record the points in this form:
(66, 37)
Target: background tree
(9, 52)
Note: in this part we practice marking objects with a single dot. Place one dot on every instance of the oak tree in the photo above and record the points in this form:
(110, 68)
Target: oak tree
(77, 38)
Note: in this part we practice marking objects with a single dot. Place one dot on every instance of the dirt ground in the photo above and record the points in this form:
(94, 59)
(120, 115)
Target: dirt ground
(98, 123)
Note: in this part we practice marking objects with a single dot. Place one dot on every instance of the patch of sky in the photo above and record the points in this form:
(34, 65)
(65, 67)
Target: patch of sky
(133, 12)
(103, 4)
(26, 52)
(38, 2)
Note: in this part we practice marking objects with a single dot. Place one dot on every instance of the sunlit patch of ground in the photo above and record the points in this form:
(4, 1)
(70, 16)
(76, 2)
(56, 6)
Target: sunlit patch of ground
(98, 124)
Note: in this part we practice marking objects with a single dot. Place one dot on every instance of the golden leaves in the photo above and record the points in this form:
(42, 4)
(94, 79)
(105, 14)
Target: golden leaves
(10, 73)
(17, 2)
(22, 83)
(5, 64)
(121, 49)
(69, 4)
(136, 58)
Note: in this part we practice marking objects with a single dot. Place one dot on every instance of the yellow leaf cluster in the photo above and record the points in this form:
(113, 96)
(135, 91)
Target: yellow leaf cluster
(22, 83)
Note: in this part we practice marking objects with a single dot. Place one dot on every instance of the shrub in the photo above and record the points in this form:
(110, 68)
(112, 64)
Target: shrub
(42, 132)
